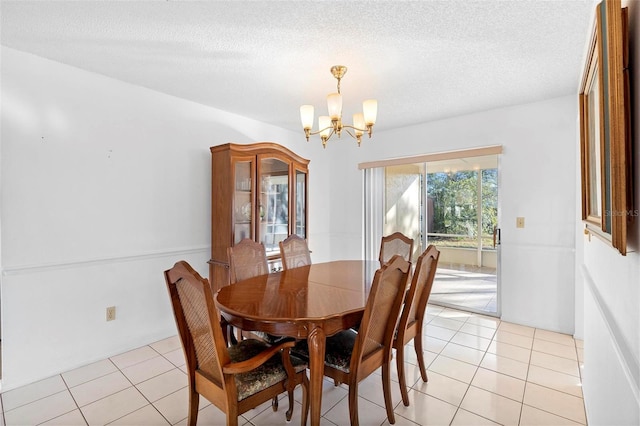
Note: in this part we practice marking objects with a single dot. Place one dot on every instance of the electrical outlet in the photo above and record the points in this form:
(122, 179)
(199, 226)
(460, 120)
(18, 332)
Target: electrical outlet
(111, 313)
(519, 222)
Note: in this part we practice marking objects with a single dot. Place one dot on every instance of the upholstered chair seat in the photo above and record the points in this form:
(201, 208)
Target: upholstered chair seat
(266, 375)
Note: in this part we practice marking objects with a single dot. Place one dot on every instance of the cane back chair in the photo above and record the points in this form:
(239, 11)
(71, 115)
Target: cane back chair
(351, 356)
(396, 243)
(294, 252)
(234, 378)
(247, 259)
(413, 311)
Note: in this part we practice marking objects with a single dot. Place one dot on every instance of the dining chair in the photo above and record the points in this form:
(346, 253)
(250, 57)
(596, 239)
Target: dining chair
(396, 243)
(351, 356)
(294, 252)
(234, 378)
(412, 317)
(248, 259)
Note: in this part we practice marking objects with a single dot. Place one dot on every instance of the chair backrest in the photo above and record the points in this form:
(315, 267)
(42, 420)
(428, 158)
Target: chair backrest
(396, 243)
(381, 313)
(247, 259)
(420, 289)
(294, 252)
(197, 321)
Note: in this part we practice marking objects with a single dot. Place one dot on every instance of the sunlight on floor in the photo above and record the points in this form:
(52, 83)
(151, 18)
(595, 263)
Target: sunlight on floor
(465, 287)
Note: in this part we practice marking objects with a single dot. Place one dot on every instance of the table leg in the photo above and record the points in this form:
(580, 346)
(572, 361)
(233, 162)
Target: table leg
(316, 341)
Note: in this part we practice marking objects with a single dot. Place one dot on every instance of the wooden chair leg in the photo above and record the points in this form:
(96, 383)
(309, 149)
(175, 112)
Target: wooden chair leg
(353, 404)
(417, 343)
(194, 400)
(305, 400)
(289, 412)
(386, 389)
(274, 403)
(401, 378)
(232, 415)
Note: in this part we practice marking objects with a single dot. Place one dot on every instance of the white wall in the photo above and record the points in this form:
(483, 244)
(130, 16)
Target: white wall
(104, 186)
(537, 181)
(610, 286)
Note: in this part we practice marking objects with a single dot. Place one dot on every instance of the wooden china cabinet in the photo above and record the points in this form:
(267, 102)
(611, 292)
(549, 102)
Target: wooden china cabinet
(258, 191)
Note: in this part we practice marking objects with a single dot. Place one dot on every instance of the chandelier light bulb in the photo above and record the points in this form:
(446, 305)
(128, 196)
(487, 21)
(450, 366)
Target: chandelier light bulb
(358, 124)
(370, 109)
(334, 105)
(324, 125)
(306, 116)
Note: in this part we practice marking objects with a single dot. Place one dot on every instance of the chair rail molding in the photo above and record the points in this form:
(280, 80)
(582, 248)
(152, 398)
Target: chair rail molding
(133, 257)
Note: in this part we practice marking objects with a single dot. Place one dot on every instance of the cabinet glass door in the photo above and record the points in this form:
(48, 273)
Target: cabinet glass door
(243, 213)
(301, 203)
(273, 208)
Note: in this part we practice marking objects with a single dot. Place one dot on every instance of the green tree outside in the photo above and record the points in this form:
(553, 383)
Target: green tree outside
(454, 198)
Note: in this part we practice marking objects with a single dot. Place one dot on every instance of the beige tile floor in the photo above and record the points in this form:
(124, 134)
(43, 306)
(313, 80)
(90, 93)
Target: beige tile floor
(481, 372)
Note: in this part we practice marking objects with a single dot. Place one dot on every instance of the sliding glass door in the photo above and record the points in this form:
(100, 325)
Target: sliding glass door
(463, 198)
(452, 204)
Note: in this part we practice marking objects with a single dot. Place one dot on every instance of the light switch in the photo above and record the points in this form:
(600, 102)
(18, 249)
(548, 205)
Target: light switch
(519, 222)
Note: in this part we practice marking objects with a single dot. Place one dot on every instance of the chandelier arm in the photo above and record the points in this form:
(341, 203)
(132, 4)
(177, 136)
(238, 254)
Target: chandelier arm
(325, 139)
(333, 132)
(322, 130)
(354, 128)
(347, 130)
(358, 138)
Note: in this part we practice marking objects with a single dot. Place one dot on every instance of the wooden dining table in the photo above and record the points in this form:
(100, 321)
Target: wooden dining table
(310, 302)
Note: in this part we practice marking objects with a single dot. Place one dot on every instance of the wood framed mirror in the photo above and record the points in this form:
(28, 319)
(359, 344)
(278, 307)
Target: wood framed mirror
(607, 200)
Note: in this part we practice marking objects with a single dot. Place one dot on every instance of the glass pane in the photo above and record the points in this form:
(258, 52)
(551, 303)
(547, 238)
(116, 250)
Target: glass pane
(453, 196)
(274, 203)
(301, 196)
(242, 203)
(489, 207)
(403, 203)
(595, 170)
(463, 201)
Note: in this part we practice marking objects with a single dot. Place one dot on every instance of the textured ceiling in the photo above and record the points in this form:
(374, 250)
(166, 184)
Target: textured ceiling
(422, 60)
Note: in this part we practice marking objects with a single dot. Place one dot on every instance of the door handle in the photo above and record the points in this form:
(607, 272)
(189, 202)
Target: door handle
(496, 237)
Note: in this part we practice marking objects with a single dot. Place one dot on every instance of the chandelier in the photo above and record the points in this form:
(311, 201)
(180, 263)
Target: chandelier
(329, 125)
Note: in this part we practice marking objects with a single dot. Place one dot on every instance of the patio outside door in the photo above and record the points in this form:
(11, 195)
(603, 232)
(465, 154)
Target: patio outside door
(452, 204)
(462, 196)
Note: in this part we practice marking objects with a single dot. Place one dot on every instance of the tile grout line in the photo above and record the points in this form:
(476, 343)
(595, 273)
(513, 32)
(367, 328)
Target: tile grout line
(118, 369)
(74, 400)
(138, 390)
(526, 381)
(4, 420)
(469, 384)
(36, 400)
(546, 387)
